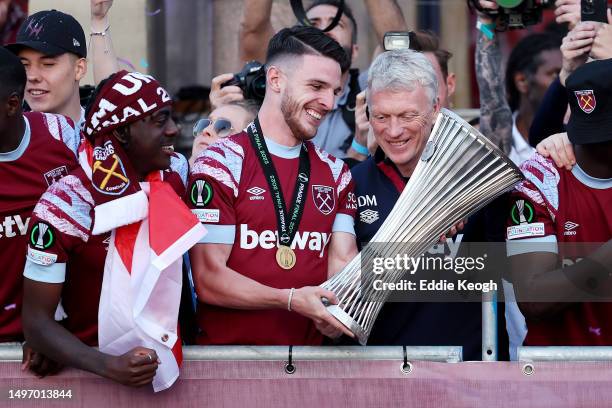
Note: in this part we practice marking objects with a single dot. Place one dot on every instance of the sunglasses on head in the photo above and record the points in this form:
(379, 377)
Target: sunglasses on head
(222, 127)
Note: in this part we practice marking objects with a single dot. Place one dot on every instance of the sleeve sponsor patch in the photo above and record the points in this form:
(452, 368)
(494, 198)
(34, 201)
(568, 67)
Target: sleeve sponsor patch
(535, 229)
(206, 215)
(40, 257)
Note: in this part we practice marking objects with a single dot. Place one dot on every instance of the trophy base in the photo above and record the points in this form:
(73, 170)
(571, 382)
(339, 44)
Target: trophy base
(348, 321)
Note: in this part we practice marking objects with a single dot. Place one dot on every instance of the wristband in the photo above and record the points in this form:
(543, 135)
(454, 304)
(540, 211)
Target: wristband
(487, 29)
(100, 33)
(359, 148)
(290, 298)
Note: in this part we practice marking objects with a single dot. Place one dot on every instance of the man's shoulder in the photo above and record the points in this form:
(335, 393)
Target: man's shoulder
(67, 204)
(541, 182)
(363, 169)
(58, 127)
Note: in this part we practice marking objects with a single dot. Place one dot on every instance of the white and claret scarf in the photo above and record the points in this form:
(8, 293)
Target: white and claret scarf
(151, 230)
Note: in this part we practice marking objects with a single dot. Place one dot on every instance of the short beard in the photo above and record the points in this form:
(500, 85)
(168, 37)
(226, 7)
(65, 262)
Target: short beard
(291, 112)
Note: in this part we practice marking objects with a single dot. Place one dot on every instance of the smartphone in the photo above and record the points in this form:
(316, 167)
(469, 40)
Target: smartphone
(594, 10)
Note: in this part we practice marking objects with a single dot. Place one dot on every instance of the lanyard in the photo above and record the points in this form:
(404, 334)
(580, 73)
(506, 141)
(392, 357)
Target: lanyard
(286, 228)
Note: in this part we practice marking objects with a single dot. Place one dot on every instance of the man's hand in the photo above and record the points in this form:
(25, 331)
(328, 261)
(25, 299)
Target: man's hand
(222, 96)
(362, 124)
(567, 11)
(575, 48)
(559, 148)
(99, 11)
(602, 45)
(38, 363)
(135, 368)
(307, 302)
(454, 230)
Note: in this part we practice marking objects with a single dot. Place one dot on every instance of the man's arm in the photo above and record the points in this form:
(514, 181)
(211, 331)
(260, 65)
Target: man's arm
(386, 15)
(495, 114)
(537, 275)
(255, 30)
(48, 337)
(101, 46)
(342, 249)
(217, 284)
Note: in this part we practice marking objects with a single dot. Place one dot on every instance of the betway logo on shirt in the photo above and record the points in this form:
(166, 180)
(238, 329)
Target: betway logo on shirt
(13, 225)
(267, 239)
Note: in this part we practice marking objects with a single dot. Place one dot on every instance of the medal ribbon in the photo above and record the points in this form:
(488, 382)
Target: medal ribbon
(286, 230)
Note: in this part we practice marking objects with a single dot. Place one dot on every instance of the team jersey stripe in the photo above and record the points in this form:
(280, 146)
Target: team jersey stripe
(221, 175)
(335, 165)
(544, 176)
(179, 165)
(344, 181)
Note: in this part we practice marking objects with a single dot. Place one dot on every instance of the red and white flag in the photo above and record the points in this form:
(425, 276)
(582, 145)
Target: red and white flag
(141, 291)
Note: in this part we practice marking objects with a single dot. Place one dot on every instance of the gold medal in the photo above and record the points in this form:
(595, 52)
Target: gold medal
(285, 257)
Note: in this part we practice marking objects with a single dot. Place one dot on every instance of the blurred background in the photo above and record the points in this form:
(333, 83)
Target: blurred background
(184, 43)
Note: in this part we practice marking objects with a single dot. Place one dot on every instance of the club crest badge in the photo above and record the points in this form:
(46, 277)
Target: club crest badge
(586, 100)
(201, 193)
(324, 198)
(54, 175)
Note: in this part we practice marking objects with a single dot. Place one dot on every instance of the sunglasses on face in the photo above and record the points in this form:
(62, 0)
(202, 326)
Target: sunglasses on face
(222, 127)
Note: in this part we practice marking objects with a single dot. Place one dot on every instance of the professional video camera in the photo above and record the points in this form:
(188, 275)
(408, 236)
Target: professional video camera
(252, 81)
(515, 13)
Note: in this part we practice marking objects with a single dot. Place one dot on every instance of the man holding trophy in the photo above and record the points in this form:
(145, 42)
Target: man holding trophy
(403, 105)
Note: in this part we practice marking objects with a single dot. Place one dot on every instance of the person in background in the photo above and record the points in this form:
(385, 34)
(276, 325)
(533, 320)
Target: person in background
(223, 121)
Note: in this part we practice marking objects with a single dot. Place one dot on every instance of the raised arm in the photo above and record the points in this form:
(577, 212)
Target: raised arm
(495, 113)
(386, 15)
(101, 45)
(255, 30)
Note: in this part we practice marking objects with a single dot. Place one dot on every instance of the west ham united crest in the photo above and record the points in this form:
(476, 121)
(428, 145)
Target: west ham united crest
(586, 100)
(324, 198)
(109, 176)
(201, 193)
(54, 175)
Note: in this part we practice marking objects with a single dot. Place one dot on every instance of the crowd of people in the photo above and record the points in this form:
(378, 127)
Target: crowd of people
(106, 225)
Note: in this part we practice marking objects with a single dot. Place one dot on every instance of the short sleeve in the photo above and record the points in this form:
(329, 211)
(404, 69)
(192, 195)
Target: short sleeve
(60, 223)
(532, 214)
(347, 203)
(213, 189)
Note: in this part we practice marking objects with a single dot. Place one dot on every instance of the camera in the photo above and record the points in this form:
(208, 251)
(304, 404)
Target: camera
(515, 14)
(398, 40)
(251, 79)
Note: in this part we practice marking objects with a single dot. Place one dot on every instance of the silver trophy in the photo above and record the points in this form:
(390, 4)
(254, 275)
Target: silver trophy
(460, 171)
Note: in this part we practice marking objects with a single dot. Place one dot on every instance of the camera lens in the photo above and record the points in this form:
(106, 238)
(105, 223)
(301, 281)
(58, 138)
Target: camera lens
(259, 86)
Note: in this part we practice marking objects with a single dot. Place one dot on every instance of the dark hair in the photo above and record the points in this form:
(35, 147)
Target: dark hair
(95, 93)
(252, 106)
(12, 74)
(525, 58)
(299, 40)
(429, 42)
(346, 10)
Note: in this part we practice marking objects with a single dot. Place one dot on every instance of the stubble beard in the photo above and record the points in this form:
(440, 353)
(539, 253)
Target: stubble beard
(291, 113)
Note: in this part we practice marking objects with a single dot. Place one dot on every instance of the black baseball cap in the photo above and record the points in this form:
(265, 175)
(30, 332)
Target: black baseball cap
(52, 33)
(589, 91)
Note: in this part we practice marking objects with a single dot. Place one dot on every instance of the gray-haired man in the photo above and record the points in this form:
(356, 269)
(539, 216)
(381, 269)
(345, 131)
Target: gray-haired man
(403, 105)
